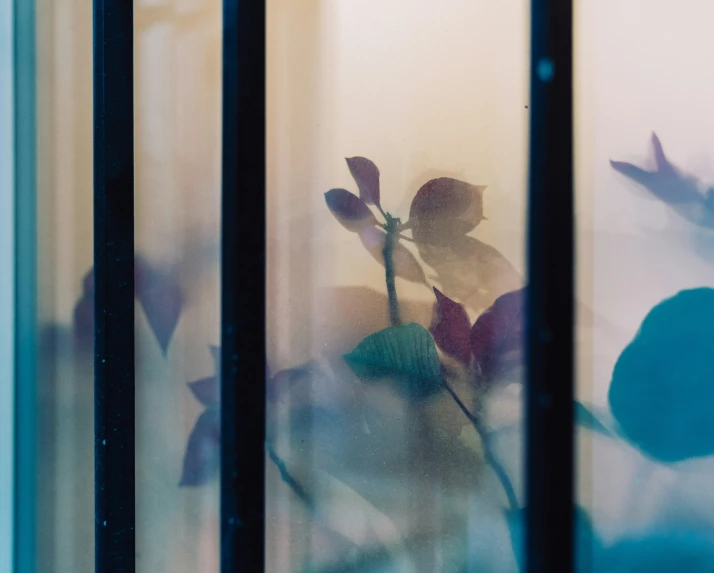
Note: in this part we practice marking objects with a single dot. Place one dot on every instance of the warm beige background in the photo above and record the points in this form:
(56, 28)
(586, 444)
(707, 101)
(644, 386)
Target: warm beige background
(421, 88)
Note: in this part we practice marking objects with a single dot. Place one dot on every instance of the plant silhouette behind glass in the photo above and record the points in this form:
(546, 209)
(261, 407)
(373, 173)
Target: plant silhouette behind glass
(657, 399)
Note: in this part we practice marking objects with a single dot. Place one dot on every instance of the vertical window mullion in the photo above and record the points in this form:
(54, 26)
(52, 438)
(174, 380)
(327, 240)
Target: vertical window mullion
(550, 331)
(243, 366)
(25, 478)
(7, 285)
(114, 286)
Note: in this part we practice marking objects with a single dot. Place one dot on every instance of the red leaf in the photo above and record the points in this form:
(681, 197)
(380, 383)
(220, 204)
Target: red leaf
(366, 175)
(160, 294)
(406, 265)
(200, 463)
(447, 197)
(349, 210)
(451, 328)
(206, 391)
(499, 331)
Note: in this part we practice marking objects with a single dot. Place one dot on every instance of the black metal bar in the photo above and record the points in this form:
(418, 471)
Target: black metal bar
(243, 366)
(114, 286)
(550, 336)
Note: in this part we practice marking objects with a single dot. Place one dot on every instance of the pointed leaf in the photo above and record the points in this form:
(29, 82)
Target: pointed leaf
(201, 460)
(216, 354)
(666, 182)
(88, 282)
(586, 419)
(349, 210)
(588, 547)
(471, 271)
(406, 265)
(84, 319)
(498, 332)
(406, 354)
(160, 294)
(366, 175)
(451, 328)
(206, 391)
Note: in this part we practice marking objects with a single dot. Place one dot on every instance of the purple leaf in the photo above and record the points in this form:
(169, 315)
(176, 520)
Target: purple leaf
(366, 175)
(88, 282)
(444, 210)
(206, 391)
(216, 353)
(498, 332)
(160, 294)
(200, 463)
(447, 197)
(349, 210)
(84, 319)
(451, 328)
(406, 265)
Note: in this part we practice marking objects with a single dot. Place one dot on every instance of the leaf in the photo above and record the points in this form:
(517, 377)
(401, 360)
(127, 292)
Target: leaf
(588, 545)
(682, 549)
(88, 282)
(216, 354)
(451, 328)
(670, 185)
(206, 391)
(446, 197)
(586, 419)
(366, 175)
(405, 353)
(444, 210)
(84, 319)
(662, 387)
(471, 271)
(498, 332)
(160, 294)
(349, 210)
(200, 463)
(406, 265)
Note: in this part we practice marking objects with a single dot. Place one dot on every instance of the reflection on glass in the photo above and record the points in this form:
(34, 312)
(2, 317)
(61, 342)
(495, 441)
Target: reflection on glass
(395, 299)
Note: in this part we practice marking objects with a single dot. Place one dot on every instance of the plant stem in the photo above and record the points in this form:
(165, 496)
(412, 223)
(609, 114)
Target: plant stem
(488, 453)
(288, 478)
(391, 228)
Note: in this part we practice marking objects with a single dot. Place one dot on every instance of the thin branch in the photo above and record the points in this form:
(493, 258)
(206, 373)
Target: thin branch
(491, 459)
(288, 478)
(387, 253)
(405, 238)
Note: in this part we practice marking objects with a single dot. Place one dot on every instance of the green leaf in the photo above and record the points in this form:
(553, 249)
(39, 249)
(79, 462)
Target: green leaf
(406, 354)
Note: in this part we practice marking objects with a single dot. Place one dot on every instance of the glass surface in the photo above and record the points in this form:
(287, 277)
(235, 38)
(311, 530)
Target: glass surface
(65, 421)
(177, 216)
(177, 190)
(373, 464)
(645, 271)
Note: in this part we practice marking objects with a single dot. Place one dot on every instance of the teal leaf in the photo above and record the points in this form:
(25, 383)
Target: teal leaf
(405, 354)
(586, 419)
(588, 545)
(662, 388)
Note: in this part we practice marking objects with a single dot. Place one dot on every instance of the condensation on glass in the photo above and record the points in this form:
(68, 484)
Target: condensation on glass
(397, 141)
